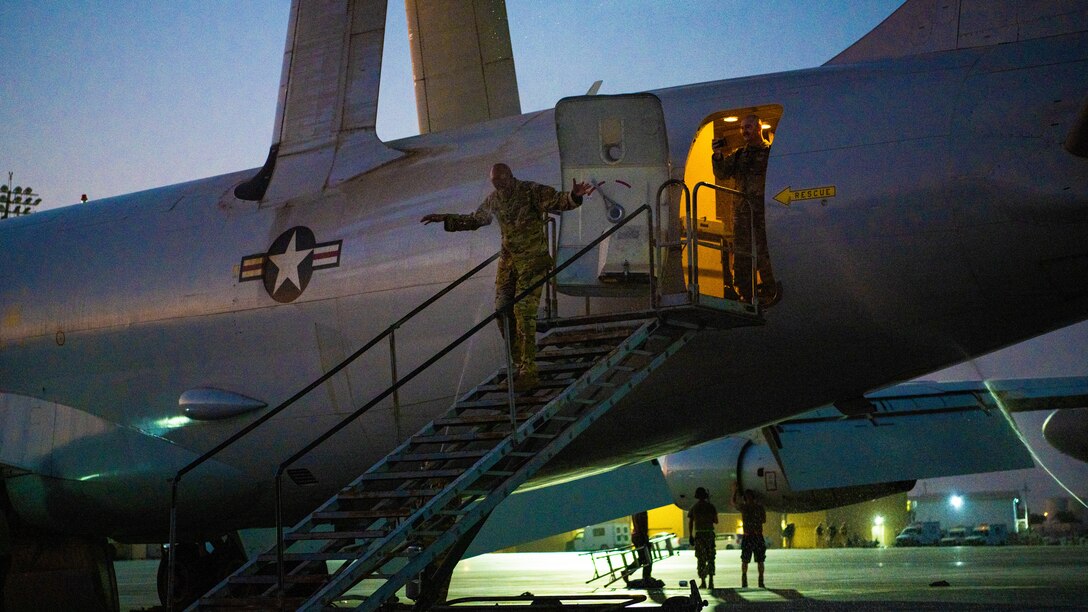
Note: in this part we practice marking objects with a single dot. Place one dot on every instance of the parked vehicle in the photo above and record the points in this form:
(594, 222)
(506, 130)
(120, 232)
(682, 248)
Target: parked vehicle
(728, 541)
(996, 534)
(603, 536)
(956, 536)
(924, 533)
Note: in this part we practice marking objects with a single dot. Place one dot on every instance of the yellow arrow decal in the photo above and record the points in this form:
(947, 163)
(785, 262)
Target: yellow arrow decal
(789, 194)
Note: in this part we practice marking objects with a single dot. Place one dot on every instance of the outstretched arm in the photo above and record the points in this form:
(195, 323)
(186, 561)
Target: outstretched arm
(458, 223)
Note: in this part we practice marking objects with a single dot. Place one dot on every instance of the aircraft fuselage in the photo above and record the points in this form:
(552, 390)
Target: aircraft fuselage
(956, 227)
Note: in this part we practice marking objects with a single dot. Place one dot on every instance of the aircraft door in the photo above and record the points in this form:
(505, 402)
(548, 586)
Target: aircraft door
(619, 145)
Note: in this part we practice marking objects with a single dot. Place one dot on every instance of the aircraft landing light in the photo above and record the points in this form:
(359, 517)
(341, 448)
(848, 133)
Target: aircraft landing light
(169, 423)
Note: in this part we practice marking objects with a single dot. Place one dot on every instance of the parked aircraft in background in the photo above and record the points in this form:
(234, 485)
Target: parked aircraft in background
(927, 202)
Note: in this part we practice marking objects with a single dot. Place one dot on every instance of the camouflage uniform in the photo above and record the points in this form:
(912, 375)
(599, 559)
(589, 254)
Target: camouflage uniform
(703, 515)
(748, 165)
(524, 258)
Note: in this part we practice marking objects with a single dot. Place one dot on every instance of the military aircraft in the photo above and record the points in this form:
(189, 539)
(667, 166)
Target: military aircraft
(926, 202)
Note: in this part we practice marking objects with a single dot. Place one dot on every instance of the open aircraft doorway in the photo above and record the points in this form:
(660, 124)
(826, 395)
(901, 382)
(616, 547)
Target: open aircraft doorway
(732, 261)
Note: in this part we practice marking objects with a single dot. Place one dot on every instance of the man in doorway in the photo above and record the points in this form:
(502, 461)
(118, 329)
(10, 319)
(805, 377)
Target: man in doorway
(701, 520)
(521, 208)
(752, 515)
(748, 165)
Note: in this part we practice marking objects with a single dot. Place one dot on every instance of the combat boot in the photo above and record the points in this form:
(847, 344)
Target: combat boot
(526, 381)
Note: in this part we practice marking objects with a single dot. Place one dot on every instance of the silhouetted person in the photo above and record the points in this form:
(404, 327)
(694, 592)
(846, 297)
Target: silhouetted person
(640, 538)
(753, 516)
(701, 520)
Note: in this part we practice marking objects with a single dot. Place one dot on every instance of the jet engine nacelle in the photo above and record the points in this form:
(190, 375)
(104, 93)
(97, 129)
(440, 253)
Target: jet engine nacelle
(1067, 431)
(715, 465)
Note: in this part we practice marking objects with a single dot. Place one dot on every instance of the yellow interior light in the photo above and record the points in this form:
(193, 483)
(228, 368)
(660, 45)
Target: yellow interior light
(765, 126)
(731, 119)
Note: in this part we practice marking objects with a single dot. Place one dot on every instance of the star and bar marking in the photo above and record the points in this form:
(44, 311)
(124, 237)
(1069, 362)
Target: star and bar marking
(289, 263)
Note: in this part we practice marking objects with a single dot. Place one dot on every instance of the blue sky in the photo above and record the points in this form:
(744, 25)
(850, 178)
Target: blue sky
(107, 98)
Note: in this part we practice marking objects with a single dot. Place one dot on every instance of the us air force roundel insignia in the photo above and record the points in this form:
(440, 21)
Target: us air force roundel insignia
(289, 263)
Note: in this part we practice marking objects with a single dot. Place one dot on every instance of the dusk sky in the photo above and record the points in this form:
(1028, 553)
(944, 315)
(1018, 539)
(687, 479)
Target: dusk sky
(106, 98)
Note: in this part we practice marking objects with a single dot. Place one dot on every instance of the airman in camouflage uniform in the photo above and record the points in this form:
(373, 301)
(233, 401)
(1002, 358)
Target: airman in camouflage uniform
(521, 208)
(748, 165)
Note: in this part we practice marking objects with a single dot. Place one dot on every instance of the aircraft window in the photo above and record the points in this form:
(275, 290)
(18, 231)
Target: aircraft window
(724, 252)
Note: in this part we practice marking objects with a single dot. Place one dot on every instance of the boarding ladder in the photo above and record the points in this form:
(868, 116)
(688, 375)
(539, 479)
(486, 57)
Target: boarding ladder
(407, 511)
(417, 509)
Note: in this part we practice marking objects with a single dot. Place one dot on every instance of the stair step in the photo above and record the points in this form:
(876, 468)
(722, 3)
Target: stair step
(480, 419)
(503, 403)
(543, 384)
(389, 494)
(469, 436)
(556, 368)
(364, 514)
(553, 352)
(368, 534)
(585, 336)
(342, 555)
(409, 475)
(253, 603)
(292, 578)
(440, 456)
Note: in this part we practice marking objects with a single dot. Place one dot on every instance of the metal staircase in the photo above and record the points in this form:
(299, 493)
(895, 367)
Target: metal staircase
(414, 513)
(410, 511)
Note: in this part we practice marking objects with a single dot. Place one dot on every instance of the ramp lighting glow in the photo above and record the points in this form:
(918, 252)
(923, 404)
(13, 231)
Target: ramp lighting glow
(878, 520)
(956, 501)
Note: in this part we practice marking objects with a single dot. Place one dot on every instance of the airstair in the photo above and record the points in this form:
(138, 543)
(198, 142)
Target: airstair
(410, 510)
(408, 519)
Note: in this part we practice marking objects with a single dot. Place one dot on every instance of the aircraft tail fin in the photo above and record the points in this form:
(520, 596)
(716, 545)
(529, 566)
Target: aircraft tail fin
(462, 61)
(924, 26)
(328, 103)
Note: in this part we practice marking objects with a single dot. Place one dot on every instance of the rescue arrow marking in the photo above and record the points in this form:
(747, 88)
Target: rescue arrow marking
(788, 195)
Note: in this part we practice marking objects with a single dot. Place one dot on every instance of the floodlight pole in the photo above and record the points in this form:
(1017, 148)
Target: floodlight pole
(9, 196)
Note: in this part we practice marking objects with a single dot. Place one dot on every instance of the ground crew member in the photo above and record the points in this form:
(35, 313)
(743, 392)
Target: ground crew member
(701, 520)
(748, 165)
(521, 208)
(752, 515)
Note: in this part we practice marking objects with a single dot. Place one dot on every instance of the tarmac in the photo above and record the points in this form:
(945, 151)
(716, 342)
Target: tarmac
(977, 578)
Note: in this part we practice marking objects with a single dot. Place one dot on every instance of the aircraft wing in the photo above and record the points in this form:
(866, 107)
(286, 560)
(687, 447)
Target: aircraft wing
(917, 430)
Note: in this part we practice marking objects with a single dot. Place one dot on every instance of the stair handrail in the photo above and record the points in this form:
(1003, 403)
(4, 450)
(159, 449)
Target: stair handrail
(693, 290)
(347, 420)
(241, 433)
